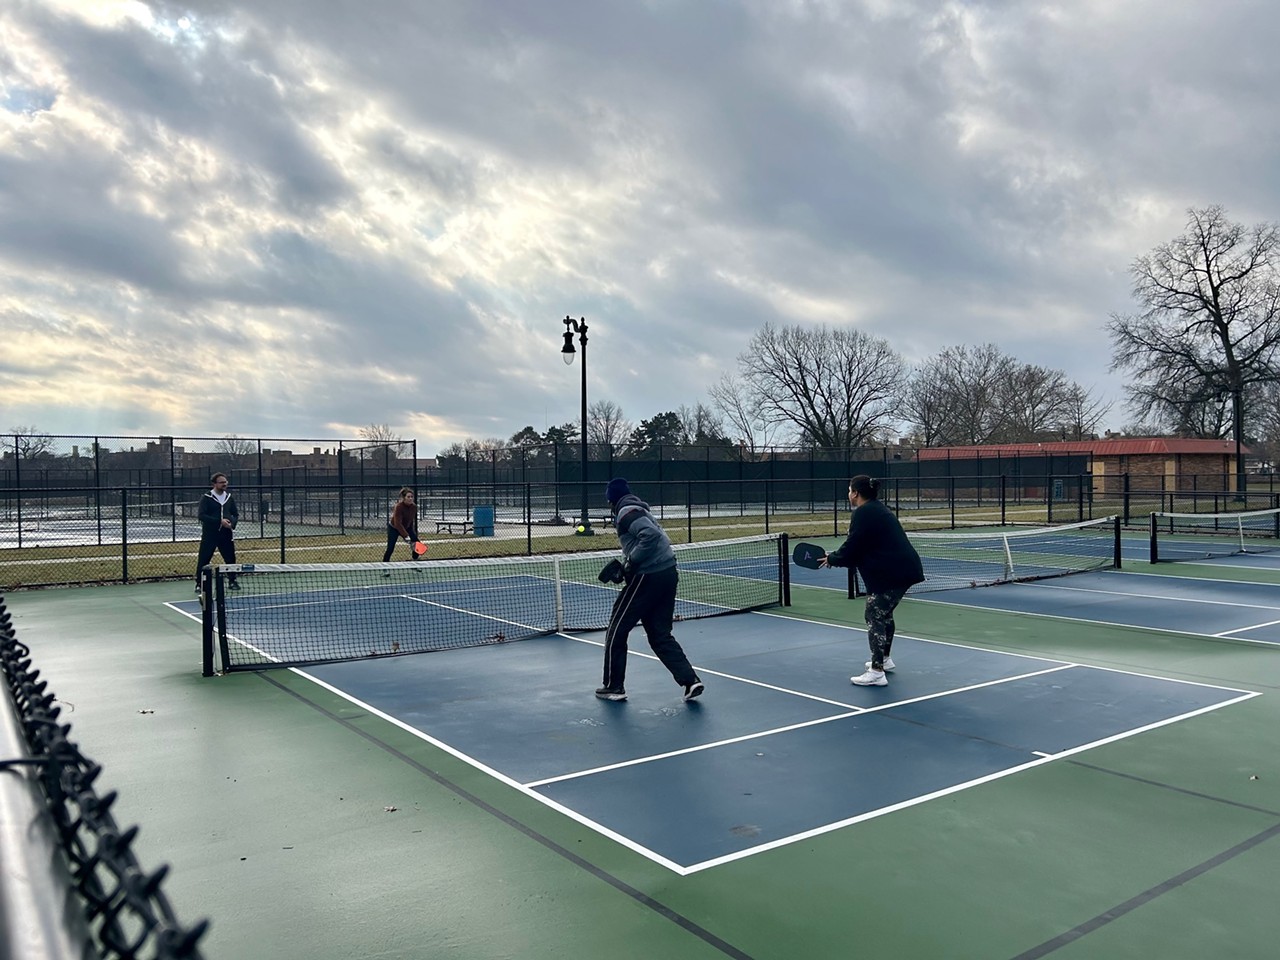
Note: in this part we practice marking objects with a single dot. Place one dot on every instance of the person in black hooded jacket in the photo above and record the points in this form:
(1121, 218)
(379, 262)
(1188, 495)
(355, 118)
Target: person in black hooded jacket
(648, 595)
(888, 564)
(218, 517)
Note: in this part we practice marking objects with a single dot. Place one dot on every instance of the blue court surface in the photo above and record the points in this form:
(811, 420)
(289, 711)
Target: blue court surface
(780, 748)
(1239, 610)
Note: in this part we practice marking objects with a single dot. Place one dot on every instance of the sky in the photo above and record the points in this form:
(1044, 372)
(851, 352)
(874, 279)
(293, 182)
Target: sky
(295, 218)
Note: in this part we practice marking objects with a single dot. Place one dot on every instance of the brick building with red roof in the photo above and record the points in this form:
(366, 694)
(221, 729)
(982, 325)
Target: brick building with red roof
(1152, 463)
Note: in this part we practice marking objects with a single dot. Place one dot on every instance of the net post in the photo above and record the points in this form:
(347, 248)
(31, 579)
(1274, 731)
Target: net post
(1115, 523)
(1155, 550)
(559, 597)
(528, 520)
(220, 605)
(784, 571)
(206, 623)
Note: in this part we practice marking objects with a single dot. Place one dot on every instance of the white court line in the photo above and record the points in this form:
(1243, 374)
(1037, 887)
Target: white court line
(1151, 596)
(1178, 578)
(1041, 759)
(853, 712)
(1252, 626)
(1086, 620)
(501, 777)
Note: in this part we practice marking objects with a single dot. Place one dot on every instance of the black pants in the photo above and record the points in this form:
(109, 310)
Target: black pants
(650, 599)
(392, 536)
(223, 542)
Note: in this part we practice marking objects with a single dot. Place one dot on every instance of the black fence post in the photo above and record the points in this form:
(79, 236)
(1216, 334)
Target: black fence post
(282, 513)
(124, 535)
(688, 510)
(835, 508)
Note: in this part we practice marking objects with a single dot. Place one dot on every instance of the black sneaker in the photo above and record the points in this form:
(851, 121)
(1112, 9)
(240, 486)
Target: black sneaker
(693, 690)
(197, 588)
(235, 585)
(611, 693)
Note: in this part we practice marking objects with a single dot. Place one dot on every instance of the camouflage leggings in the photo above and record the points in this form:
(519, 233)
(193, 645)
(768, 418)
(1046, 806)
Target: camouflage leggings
(880, 607)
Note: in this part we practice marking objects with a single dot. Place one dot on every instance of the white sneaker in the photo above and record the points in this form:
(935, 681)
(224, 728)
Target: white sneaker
(872, 678)
(888, 664)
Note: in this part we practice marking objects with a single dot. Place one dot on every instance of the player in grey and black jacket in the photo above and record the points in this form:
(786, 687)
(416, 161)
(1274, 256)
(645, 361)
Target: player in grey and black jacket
(648, 596)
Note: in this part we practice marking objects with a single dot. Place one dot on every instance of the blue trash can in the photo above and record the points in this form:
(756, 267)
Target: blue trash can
(482, 521)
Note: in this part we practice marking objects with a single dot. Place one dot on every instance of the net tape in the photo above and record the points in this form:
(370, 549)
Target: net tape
(973, 559)
(1201, 536)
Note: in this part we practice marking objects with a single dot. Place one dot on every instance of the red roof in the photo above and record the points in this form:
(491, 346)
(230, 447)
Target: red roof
(1132, 446)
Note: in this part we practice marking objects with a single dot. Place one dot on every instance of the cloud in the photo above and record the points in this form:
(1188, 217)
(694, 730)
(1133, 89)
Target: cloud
(278, 219)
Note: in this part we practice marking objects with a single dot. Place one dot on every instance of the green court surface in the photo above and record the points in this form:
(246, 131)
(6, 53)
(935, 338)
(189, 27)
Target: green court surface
(304, 826)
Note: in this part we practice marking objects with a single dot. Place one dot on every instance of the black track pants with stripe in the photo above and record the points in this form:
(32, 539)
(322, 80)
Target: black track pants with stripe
(648, 599)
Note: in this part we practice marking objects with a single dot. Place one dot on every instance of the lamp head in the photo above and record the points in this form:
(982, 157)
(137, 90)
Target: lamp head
(567, 352)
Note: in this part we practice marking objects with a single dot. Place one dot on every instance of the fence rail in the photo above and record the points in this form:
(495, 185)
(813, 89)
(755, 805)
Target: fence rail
(90, 534)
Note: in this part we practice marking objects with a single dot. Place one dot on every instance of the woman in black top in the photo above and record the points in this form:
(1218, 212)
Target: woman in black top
(888, 564)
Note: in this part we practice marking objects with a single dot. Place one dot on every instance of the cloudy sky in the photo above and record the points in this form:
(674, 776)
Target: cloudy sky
(293, 218)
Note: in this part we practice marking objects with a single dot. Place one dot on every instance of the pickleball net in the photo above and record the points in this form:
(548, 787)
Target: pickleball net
(1201, 536)
(983, 558)
(265, 615)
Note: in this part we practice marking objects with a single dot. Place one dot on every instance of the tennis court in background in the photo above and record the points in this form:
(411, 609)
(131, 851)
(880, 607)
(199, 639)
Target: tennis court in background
(1072, 767)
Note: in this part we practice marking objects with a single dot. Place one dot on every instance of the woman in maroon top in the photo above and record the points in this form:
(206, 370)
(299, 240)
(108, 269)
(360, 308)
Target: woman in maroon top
(403, 523)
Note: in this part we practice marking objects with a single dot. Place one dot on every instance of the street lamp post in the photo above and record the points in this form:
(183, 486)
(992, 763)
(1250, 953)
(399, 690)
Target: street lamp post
(567, 353)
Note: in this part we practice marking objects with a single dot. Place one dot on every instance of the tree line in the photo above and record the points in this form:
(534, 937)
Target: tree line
(840, 390)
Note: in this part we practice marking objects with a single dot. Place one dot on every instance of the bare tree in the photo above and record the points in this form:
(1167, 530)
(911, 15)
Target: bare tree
(30, 442)
(701, 425)
(234, 446)
(925, 407)
(379, 433)
(734, 402)
(1209, 326)
(1081, 413)
(606, 426)
(1032, 399)
(972, 395)
(1264, 439)
(836, 388)
(967, 393)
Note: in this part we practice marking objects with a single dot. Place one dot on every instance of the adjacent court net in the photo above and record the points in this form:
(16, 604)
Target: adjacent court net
(976, 559)
(261, 615)
(1199, 536)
